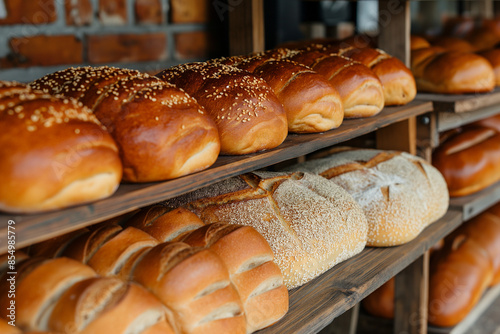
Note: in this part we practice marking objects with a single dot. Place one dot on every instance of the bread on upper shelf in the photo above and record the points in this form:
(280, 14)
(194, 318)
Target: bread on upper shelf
(162, 133)
(400, 193)
(54, 153)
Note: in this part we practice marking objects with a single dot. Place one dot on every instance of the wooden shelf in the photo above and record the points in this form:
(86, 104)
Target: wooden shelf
(463, 102)
(315, 304)
(35, 228)
(474, 204)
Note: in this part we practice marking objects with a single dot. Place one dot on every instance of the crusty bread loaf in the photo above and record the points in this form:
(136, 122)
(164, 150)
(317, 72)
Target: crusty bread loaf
(311, 103)
(437, 70)
(55, 246)
(469, 160)
(418, 42)
(380, 302)
(360, 89)
(492, 122)
(255, 276)
(483, 38)
(104, 305)
(493, 56)
(194, 283)
(310, 225)
(162, 132)
(400, 194)
(248, 114)
(453, 44)
(39, 284)
(165, 224)
(6, 328)
(76, 162)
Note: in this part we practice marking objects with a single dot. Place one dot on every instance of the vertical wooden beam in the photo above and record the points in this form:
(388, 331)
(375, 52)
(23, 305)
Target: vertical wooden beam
(412, 284)
(246, 26)
(394, 28)
(344, 324)
(401, 136)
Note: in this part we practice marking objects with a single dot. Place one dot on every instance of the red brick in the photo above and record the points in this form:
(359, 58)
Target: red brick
(78, 12)
(191, 45)
(126, 48)
(44, 51)
(29, 12)
(113, 12)
(189, 11)
(149, 11)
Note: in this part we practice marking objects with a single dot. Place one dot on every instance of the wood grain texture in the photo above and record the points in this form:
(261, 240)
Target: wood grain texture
(394, 25)
(449, 120)
(246, 26)
(314, 305)
(462, 102)
(474, 204)
(36, 228)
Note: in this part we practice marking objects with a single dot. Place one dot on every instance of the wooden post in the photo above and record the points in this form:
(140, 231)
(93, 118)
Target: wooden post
(345, 323)
(246, 26)
(411, 297)
(401, 136)
(394, 28)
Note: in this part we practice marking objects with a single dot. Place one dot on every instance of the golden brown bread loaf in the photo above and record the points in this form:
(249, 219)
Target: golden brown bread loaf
(418, 42)
(360, 89)
(76, 162)
(161, 131)
(311, 103)
(437, 70)
(248, 114)
(249, 260)
(194, 283)
(380, 302)
(493, 56)
(104, 305)
(400, 194)
(469, 160)
(310, 225)
(6, 328)
(453, 44)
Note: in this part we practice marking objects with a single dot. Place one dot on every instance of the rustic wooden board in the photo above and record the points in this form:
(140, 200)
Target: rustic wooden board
(314, 305)
(35, 228)
(474, 204)
(448, 120)
(463, 102)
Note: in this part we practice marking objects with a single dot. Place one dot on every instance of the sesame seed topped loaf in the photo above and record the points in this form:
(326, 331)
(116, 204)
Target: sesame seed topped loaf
(162, 132)
(65, 156)
(310, 224)
(400, 193)
(249, 116)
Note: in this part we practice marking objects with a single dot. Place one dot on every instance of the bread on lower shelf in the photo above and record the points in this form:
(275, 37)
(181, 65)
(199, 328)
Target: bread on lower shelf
(76, 162)
(400, 194)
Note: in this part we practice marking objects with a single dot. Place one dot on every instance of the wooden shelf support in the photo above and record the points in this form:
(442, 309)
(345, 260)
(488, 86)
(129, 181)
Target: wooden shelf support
(246, 26)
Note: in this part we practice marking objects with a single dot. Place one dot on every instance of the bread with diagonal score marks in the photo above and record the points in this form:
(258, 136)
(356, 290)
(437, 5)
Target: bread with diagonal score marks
(400, 193)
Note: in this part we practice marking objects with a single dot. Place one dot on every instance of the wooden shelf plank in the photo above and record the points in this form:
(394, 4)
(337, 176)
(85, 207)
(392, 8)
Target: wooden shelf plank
(463, 102)
(34, 228)
(448, 121)
(315, 304)
(474, 204)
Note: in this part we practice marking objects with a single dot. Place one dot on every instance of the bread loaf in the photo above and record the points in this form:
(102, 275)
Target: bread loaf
(453, 44)
(76, 162)
(418, 42)
(249, 260)
(162, 132)
(380, 302)
(194, 283)
(103, 305)
(493, 57)
(248, 114)
(400, 194)
(437, 70)
(360, 89)
(469, 160)
(309, 224)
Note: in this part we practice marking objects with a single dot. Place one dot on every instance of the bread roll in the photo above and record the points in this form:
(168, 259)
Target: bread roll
(439, 71)
(39, 284)
(55, 246)
(418, 42)
(103, 305)
(483, 38)
(76, 162)
(469, 160)
(194, 283)
(493, 57)
(165, 224)
(248, 114)
(162, 132)
(380, 302)
(453, 44)
(360, 89)
(309, 224)
(255, 276)
(400, 194)
(6, 328)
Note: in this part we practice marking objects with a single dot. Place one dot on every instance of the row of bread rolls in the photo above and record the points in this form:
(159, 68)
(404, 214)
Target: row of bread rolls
(211, 278)
(461, 270)
(468, 157)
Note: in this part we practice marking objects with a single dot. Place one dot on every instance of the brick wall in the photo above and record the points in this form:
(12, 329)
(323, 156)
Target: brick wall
(42, 36)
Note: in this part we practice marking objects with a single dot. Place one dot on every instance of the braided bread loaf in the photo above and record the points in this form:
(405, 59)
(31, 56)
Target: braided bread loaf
(162, 132)
(76, 162)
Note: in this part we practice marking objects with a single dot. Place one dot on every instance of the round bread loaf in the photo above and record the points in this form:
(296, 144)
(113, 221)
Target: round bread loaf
(249, 116)
(162, 132)
(400, 194)
(493, 57)
(76, 162)
(311, 225)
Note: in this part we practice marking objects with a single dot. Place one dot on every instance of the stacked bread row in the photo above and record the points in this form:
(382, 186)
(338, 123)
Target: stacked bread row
(461, 270)
(468, 157)
(194, 278)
